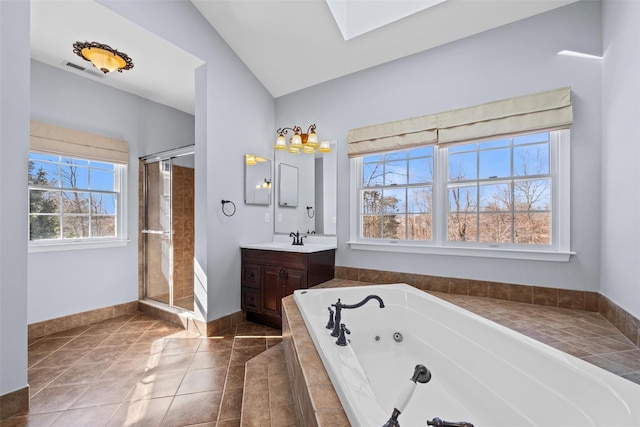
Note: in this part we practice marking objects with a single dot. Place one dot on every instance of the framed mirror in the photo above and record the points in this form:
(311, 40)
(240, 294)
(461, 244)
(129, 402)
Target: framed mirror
(257, 180)
(317, 193)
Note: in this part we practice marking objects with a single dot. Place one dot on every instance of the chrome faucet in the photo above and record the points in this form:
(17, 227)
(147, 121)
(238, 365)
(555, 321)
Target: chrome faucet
(297, 238)
(339, 306)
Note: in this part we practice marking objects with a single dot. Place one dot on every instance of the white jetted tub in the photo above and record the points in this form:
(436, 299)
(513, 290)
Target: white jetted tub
(482, 372)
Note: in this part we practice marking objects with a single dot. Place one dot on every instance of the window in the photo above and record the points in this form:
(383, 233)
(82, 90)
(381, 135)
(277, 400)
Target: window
(502, 197)
(397, 193)
(73, 200)
(499, 191)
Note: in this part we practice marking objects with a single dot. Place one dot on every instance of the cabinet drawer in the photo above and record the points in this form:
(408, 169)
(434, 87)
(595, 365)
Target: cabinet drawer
(251, 276)
(251, 299)
(275, 258)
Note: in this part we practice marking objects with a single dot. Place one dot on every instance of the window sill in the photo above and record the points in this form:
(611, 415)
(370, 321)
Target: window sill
(74, 246)
(503, 253)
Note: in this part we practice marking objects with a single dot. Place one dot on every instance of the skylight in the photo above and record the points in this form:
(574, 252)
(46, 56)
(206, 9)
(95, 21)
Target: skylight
(356, 17)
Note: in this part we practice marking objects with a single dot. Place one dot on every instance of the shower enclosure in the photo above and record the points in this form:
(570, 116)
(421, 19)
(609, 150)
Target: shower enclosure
(167, 229)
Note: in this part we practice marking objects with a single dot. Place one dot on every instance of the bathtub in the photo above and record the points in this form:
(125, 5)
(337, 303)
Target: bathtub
(482, 372)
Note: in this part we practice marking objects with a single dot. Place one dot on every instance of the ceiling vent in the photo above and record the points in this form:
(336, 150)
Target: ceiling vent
(80, 68)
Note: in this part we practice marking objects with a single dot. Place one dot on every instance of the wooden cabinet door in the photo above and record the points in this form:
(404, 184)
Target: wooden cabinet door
(271, 290)
(295, 279)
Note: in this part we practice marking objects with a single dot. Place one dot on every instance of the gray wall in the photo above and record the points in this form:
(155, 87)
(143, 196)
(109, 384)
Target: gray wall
(517, 59)
(67, 282)
(234, 116)
(14, 141)
(620, 276)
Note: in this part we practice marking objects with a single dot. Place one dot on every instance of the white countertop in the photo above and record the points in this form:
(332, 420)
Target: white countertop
(283, 243)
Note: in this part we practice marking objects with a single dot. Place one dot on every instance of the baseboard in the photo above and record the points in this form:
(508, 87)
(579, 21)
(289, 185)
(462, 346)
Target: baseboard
(52, 326)
(186, 320)
(14, 403)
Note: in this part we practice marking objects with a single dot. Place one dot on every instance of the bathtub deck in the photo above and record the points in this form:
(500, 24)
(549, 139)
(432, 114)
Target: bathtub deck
(586, 335)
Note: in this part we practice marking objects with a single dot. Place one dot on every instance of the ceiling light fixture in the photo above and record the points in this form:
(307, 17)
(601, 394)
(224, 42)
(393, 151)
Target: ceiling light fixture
(305, 142)
(103, 57)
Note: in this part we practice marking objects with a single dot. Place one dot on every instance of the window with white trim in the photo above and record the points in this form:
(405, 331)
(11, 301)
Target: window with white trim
(74, 200)
(508, 193)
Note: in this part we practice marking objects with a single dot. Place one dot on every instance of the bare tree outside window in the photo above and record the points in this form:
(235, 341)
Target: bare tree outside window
(496, 191)
(512, 206)
(396, 203)
(71, 198)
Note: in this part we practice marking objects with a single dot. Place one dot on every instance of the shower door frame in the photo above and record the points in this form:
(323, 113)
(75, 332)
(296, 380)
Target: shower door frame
(165, 156)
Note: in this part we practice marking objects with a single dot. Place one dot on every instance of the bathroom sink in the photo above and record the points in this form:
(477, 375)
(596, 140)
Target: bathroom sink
(288, 247)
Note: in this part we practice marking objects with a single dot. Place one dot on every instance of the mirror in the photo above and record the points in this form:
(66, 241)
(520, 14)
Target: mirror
(257, 180)
(288, 186)
(315, 210)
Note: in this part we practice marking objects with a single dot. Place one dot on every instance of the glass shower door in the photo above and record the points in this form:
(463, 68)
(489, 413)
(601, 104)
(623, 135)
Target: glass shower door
(157, 231)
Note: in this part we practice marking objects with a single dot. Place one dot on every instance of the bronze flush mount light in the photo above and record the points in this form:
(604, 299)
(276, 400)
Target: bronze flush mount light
(103, 57)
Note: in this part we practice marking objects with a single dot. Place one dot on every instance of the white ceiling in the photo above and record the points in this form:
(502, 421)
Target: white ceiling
(288, 44)
(56, 25)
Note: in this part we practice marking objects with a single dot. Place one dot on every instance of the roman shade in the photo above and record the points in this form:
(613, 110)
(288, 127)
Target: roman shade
(50, 139)
(550, 110)
(401, 134)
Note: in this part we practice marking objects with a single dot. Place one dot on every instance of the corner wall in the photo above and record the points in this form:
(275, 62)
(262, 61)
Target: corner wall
(620, 271)
(63, 283)
(14, 142)
(234, 116)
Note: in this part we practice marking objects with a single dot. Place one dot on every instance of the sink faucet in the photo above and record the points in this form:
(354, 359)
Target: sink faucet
(297, 238)
(339, 306)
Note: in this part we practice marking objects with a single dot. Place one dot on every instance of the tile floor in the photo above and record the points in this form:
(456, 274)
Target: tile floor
(583, 334)
(139, 371)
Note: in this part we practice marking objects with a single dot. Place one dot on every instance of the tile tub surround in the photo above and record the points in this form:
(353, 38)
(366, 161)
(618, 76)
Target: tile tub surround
(14, 403)
(267, 400)
(138, 370)
(537, 295)
(583, 334)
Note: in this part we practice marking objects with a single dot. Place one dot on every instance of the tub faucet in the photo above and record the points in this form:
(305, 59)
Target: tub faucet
(421, 375)
(437, 422)
(330, 323)
(342, 339)
(297, 238)
(339, 306)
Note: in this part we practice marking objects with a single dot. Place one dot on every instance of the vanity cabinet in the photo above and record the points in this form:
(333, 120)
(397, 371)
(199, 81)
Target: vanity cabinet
(270, 275)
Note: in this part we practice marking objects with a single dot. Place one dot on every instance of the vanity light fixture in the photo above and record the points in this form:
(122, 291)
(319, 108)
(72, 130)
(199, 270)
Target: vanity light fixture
(252, 160)
(103, 57)
(305, 142)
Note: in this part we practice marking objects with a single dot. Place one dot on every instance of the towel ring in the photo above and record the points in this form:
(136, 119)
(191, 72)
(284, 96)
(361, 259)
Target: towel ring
(224, 203)
(310, 212)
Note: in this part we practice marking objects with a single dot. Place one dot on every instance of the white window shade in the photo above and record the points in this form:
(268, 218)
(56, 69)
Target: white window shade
(550, 110)
(401, 134)
(61, 141)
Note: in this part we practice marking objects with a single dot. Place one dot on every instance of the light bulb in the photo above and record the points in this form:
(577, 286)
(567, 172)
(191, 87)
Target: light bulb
(312, 140)
(281, 143)
(296, 141)
(325, 147)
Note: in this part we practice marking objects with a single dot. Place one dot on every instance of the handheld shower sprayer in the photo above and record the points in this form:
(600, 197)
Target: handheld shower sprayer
(420, 375)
